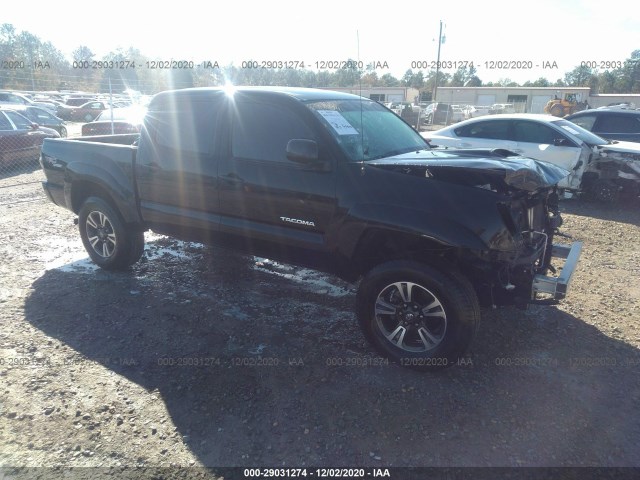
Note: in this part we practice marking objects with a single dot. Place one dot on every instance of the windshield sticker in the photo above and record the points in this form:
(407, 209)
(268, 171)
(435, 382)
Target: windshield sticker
(570, 130)
(338, 122)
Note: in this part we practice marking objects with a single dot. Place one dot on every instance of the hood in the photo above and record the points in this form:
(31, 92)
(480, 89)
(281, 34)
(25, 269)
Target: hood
(630, 148)
(623, 158)
(497, 170)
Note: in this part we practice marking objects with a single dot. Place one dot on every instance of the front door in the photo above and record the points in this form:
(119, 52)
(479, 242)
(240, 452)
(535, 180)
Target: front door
(268, 202)
(536, 140)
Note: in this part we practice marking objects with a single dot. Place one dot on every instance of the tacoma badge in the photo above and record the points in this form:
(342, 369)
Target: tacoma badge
(299, 222)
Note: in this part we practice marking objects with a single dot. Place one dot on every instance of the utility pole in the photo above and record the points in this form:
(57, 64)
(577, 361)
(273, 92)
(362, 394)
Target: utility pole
(33, 82)
(435, 88)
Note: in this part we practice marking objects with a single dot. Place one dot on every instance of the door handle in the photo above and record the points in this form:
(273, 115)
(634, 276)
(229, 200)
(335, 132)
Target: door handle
(144, 171)
(465, 145)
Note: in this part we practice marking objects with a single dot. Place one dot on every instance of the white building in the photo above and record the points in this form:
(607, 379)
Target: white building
(383, 94)
(524, 99)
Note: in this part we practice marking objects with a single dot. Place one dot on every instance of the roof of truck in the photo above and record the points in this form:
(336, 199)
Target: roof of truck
(302, 94)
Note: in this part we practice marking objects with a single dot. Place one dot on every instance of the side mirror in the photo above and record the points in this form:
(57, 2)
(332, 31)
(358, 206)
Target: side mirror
(302, 151)
(35, 126)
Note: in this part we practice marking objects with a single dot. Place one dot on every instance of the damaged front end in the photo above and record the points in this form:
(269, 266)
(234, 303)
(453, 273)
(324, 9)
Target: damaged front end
(613, 169)
(527, 273)
(519, 264)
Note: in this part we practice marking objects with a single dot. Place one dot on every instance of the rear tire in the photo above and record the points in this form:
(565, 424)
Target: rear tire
(417, 315)
(111, 244)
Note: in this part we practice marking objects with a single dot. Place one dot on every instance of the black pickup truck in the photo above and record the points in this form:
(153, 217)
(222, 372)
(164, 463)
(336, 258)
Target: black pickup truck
(335, 182)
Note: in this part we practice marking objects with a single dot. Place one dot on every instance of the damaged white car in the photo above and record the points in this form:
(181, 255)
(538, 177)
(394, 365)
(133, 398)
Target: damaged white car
(601, 168)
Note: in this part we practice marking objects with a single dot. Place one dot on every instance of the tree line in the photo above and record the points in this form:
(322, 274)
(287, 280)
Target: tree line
(28, 63)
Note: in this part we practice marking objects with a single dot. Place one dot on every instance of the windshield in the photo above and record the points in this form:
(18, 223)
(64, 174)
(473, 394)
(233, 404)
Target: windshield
(384, 133)
(585, 135)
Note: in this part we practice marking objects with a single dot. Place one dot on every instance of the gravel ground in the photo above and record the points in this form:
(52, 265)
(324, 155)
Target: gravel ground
(206, 358)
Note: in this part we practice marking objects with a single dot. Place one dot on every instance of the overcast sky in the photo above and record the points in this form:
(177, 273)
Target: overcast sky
(398, 33)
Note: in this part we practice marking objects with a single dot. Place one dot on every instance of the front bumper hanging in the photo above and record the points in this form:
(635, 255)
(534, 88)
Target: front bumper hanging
(557, 286)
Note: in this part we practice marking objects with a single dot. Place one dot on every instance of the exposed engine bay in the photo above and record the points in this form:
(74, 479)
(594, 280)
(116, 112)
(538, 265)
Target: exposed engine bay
(610, 172)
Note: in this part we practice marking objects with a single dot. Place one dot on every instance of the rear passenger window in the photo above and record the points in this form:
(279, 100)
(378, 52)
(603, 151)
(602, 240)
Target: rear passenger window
(189, 129)
(493, 129)
(262, 131)
(619, 124)
(39, 115)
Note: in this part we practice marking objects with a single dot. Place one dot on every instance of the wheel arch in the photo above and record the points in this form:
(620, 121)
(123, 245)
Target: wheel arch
(378, 246)
(79, 185)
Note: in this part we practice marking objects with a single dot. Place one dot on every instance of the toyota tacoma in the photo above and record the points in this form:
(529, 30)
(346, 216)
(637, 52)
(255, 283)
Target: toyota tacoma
(332, 181)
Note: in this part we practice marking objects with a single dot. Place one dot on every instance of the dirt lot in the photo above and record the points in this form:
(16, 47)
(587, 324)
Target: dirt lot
(200, 357)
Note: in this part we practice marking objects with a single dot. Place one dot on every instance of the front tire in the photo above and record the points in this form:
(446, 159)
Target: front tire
(417, 315)
(111, 244)
(604, 191)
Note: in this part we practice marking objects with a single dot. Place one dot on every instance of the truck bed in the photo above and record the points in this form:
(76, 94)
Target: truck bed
(130, 139)
(110, 157)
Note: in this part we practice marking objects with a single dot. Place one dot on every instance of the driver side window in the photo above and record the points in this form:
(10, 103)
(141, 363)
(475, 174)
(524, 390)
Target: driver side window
(531, 132)
(261, 131)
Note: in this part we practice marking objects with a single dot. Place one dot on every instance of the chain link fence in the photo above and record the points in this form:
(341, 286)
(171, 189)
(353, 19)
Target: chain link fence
(19, 168)
(20, 144)
(21, 141)
(435, 115)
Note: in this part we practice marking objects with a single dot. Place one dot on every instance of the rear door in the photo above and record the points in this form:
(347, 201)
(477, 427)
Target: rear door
(267, 201)
(542, 142)
(176, 167)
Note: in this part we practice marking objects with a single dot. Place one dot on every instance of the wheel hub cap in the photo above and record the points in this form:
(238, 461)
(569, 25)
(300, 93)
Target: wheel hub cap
(410, 316)
(100, 234)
